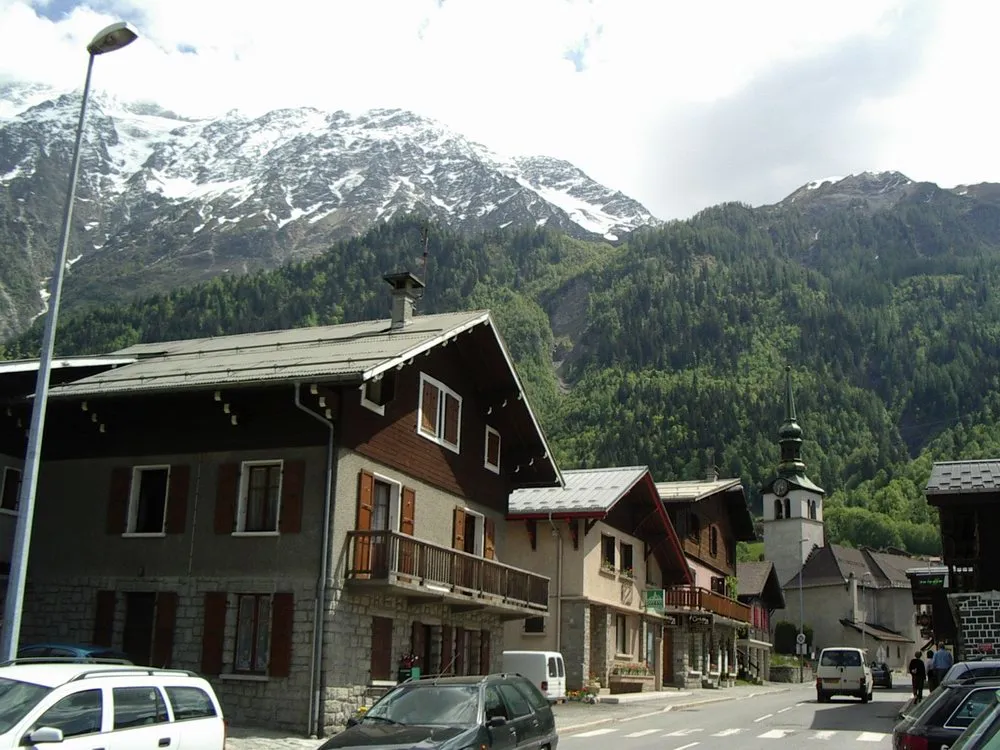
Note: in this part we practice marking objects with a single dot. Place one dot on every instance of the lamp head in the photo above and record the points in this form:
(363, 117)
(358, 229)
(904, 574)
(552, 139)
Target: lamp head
(112, 38)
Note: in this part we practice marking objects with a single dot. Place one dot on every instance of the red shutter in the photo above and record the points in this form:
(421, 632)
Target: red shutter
(225, 498)
(214, 632)
(293, 479)
(490, 541)
(429, 408)
(447, 649)
(177, 498)
(282, 627)
(381, 647)
(121, 484)
(163, 631)
(485, 657)
(407, 516)
(452, 410)
(104, 618)
(458, 531)
(363, 522)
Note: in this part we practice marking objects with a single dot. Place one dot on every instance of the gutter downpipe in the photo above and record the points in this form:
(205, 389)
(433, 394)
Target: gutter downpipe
(559, 564)
(315, 681)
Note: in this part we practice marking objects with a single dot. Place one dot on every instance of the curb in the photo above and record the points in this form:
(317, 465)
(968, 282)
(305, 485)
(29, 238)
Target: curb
(673, 707)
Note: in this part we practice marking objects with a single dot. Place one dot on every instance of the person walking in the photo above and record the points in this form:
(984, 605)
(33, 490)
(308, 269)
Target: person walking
(941, 663)
(918, 674)
(929, 670)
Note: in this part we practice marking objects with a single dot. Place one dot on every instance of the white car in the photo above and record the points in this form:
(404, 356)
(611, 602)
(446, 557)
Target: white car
(79, 705)
(843, 671)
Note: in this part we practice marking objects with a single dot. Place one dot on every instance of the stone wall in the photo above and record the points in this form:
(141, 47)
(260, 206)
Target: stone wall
(978, 619)
(791, 674)
(575, 643)
(601, 654)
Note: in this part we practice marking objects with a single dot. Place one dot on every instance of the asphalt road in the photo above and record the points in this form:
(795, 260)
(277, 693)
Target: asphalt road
(768, 722)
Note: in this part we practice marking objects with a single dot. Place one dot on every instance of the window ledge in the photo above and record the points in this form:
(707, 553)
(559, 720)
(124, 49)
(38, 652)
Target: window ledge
(143, 535)
(256, 533)
(382, 683)
(8, 512)
(534, 635)
(607, 573)
(234, 677)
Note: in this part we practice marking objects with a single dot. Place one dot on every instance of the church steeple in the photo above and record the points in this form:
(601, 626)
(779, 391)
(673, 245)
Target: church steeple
(790, 435)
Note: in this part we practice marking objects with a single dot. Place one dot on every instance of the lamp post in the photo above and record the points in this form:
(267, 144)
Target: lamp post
(112, 38)
(802, 624)
(864, 613)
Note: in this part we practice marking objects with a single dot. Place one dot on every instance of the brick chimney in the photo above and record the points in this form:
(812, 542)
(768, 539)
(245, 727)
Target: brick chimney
(406, 290)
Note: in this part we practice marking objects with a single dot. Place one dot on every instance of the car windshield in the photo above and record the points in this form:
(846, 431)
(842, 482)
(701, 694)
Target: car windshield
(16, 700)
(428, 705)
(845, 658)
(984, 731)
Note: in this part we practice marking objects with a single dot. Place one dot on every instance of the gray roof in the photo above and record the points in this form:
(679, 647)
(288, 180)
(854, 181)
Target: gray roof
(834, 564)
(964, 477)
(586, 491)
(758, 579)
(351, 352)
(60, 363)
(693, 490)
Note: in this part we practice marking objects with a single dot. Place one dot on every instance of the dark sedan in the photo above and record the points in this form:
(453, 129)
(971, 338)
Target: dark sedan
(881, 675)
(939, 720)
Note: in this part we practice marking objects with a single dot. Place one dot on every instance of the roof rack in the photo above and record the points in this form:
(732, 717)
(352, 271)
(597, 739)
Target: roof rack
(979, 675)
(64, 660)
(151, 671)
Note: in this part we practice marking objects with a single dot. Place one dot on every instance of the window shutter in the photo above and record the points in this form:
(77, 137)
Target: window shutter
(458, 533)
(225, 498)
(447, 649)
(429, 408)
(104, 618)
(163, 630)
(214, 632)
(452, 410)
(490, 541)
(121, 484)
(418, 643)
(366, 502)
(293, 479)
(485, 657)
(408, 509)
(460, 636)
(282, 626)
(381, 646)
(177, 498)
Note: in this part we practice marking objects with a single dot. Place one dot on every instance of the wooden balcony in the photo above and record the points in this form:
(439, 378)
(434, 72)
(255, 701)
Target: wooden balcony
(690, 598)
(422, 570)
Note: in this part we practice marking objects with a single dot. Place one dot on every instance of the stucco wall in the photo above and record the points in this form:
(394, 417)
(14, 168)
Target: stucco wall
(783, 545)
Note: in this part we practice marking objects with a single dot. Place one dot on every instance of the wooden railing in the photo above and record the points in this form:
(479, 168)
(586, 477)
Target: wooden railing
(380, 555)
(690, 597)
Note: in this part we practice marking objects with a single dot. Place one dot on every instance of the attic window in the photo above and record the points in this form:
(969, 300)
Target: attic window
(376, 393)
(440, 413)
(694, 526)
(491, 460)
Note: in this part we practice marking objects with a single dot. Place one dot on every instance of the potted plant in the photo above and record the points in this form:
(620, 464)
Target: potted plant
(607, 567)
(409, 667)
(626, 573)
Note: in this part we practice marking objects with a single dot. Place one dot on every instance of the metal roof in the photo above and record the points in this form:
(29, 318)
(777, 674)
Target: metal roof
(964, 477)
(59, 363)
(587, 491)
(688, 491)
(345, 353)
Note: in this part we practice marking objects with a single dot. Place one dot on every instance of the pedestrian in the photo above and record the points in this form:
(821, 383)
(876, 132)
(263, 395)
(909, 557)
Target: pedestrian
(918, 673)
(929, 671)
(941, 663)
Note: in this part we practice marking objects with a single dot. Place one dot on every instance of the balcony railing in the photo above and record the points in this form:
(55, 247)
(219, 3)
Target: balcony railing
(388, 556)
(690, 597)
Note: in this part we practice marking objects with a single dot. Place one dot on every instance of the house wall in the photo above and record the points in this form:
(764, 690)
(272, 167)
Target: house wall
(703, 574)
(711, 512)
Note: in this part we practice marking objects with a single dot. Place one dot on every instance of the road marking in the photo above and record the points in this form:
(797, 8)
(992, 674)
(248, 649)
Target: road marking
(761, 718)
(643, 733)
(685, 747)
(824, 734)
(774, 734)
(727, 732)
(799, 704)
(595, 732)
(681, 733)
(872, 736)
(789, 708)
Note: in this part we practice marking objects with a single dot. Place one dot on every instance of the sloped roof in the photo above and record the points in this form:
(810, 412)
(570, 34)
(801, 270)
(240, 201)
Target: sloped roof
(587, 491)
(877, 632)
(892, 568)
(964, 477)
(758, 579)
(693, 490)
(834, 564)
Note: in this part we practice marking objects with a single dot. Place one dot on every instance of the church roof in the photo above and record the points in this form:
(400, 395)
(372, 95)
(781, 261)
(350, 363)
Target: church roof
(834, 564)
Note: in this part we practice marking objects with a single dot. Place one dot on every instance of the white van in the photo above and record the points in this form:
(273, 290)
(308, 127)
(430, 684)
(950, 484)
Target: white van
(843, 671)
(544, 668)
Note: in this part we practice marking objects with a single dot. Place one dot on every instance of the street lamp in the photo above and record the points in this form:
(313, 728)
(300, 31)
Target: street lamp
(864, 613)
(802, 624)
(112, 38)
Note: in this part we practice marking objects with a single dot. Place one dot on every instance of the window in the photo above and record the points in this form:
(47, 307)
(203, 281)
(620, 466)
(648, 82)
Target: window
(531, 693)
(621, 635)
(379, 391)
(440, 413)
(147, 507)
(190, 703)
(694, 526)
(517, 704)
(534, 625)
(253, 628)
(625, 564)
(494, 704)
(76, 715)
(382, 506)
(138, 707)
(777, 510)
(260, 497)
(812, 509)
(11, 489)
(474, 533)
(607, 552)
(788, 507)
(973, 705)
(492, 453)
(713, 541)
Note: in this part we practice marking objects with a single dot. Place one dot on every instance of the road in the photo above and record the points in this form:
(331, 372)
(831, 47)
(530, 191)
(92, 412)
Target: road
(766, 722)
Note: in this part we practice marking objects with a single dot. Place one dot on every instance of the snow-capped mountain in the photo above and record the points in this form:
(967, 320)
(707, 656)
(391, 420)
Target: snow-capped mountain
(164, 199)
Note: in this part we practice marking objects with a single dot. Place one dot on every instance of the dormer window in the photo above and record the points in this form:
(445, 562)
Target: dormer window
(440, 413)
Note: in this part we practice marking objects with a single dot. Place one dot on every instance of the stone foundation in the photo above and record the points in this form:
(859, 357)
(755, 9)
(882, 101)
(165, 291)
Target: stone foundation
(575, 640)
(978, 620)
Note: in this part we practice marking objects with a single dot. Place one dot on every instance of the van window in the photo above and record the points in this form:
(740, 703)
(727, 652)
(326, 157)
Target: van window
(138, 707)
(840, 658)
(553, 670)
(190, 703)
(562, 667)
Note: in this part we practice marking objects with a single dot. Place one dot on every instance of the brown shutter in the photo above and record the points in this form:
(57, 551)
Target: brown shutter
(458, 533)
(214, 632)
(408, 511)
(177, 498)
(447, 649)
(381, 656)
(490, 541)
(460, 635)
(293, 479)
(418, 643)
(429, 408)
(121, 484)
(451, 412)
(225, 498)
(104, 618)
(163, 631)
(485, 657)
(363, 522)
(282, 626)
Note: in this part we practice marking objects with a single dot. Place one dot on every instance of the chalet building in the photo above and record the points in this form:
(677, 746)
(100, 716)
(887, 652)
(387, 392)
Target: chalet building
(967, 496)
(758, 588)
(607, 544)
(710, 517)
(293, 513)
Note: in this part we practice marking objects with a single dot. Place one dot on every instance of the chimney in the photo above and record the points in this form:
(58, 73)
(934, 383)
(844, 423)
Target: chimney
(712, 474)
(406, 290)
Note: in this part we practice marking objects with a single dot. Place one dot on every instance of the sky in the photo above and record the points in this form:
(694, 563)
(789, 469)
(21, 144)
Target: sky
(680, 104)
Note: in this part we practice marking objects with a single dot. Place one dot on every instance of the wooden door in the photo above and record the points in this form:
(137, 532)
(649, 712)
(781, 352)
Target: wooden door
(668, 657)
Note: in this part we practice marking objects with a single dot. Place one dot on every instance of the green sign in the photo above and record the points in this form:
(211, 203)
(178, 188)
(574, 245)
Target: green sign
(653, 599)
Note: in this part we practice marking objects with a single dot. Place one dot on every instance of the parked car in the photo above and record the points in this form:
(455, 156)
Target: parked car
(62, 651)
(452, 713)
(544, 668)
(939, 720)
(843, 671)
(984, 732)
(881, 675)
(79, 705)
(959, 672)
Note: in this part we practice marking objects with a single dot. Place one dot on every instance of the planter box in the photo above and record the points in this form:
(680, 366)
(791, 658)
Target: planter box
(631, 683)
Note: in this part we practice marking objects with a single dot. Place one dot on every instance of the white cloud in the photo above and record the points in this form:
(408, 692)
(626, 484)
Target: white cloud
(656, 78)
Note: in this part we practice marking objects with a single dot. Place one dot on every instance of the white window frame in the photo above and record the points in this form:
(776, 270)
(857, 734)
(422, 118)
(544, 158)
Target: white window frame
(486, 449)
(3, 488)
(480, 541)
(438, 436)
(133, 501)
(241, 505)
(369, 404)
(534, 633)
(621, 634)
(395, 500)
(947, 723)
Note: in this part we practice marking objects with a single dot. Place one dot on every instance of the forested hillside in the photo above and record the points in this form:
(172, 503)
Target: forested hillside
(673, 344)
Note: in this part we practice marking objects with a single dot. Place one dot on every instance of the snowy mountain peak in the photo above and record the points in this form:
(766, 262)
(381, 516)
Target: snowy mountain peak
(876, 188)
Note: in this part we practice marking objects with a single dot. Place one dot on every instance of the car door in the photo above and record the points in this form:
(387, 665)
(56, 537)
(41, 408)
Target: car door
(139, 719)
(504, 736)
(544, 722)
(522, 719)
(80, 717)
(977, 701)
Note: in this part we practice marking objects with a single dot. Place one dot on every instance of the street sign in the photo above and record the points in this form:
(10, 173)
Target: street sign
(800, 638)
(653, 599)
